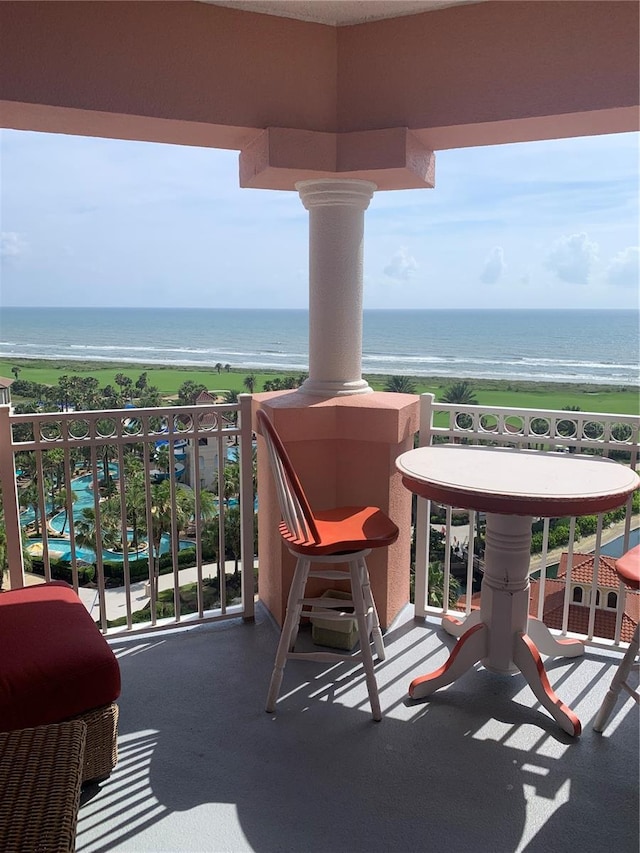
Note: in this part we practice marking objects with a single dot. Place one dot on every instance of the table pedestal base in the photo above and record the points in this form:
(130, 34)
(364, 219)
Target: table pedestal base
(501, 635)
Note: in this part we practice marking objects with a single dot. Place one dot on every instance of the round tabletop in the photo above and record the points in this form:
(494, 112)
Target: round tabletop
(516, 482)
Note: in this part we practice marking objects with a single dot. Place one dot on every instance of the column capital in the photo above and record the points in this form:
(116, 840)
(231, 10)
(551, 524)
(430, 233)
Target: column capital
(393, 158)
(327, 191)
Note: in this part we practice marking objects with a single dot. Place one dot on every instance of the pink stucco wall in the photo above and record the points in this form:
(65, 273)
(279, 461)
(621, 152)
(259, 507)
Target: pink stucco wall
(344, 450)
(168, 62)
(491, 62)
(195, 73)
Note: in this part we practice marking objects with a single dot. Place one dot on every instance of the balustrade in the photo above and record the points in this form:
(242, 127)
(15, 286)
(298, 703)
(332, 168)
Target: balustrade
(121, 501)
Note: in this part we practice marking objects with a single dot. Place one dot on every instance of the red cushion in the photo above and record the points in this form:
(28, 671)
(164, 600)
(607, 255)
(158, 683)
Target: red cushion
(54, 662)
(628, 568)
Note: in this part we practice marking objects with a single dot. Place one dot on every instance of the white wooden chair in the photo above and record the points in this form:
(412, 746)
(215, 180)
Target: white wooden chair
(326, 537)
(628, 570)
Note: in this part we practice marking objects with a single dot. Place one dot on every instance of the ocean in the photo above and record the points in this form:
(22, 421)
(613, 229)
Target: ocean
(581, 346)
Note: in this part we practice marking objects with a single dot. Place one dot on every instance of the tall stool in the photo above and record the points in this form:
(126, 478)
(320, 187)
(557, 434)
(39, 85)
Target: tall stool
(628, 570)
(340, 535)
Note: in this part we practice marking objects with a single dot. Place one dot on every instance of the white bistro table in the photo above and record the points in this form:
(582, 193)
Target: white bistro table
(511, 486)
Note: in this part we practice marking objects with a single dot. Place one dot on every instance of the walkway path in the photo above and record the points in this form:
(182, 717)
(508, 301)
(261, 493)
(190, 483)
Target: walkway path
(115, 597)
(584, 545)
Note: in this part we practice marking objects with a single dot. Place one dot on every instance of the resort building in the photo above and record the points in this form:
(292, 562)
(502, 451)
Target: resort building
(206, 447)
(581, 592)
(5, 393)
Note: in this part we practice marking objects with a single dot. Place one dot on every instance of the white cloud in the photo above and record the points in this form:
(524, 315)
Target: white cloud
(624, 269)
(402, 265)
(11, 244)
(494, 266)
(572, 258)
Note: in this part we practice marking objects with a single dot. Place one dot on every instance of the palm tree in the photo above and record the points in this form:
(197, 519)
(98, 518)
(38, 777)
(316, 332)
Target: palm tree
(163, 458)
(29, 497)
(249, 382)
(461, 393)
(53, 464)
(162, 515)
(218, 367)
(142, 382)
(189, 392)
(125, 383)
(227, 368)
(400, 384)
(62, 501)
(150, 398)
(86, 527)
(108, 452)
(136, 501)
(16, 371)
(231, 486)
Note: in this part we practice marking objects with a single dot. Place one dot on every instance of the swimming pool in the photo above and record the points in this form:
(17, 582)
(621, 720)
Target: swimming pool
(60, 549)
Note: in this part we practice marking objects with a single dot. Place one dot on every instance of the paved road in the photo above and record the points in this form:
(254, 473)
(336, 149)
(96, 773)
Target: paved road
(116, 597)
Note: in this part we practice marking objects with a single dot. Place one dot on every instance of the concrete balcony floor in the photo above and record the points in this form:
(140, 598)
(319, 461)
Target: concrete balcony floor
(479, 767)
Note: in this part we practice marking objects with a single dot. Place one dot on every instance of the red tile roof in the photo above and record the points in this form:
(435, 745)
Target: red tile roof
(205, 397)
(583, 566)
(578, 617)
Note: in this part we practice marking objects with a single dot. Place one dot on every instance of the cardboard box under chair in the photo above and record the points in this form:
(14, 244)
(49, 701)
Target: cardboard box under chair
(341, 634)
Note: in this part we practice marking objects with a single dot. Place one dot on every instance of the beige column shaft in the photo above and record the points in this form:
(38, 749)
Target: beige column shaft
(336, 242)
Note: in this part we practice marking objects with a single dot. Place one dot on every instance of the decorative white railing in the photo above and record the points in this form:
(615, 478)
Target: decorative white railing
(616, 436)
(128, 454)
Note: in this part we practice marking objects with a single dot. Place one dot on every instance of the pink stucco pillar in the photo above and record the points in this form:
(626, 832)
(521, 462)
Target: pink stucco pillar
(336, 242)
(344, 450)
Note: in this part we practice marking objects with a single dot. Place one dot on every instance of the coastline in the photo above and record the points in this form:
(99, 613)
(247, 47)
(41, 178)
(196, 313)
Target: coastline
(587, 397)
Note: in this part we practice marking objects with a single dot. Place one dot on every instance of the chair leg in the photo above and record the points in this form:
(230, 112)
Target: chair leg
(618, 682)
(289, 630)
(370, 606)
(357, 594)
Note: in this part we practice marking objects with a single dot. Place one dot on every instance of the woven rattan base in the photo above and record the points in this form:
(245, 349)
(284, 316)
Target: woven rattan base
(101, 752)
(40, 778)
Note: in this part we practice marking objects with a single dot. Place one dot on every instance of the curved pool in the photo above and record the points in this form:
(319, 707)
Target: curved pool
(60, 549)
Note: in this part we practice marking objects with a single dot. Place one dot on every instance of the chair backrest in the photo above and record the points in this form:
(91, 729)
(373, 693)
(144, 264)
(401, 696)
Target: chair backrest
(294, 506)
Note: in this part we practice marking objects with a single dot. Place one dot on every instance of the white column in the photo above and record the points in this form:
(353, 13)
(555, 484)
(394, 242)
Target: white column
(336, 237)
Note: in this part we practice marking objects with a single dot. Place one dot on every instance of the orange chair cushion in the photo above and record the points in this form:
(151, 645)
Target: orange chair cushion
(628, 568)
(54, 662)
(344, 529)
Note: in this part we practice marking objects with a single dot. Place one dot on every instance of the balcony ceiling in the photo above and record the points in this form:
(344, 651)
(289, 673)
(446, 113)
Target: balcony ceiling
(340, 13)
(302, 101)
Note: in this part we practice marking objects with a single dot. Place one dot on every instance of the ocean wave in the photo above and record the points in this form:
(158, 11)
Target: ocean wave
(481, 369)
(529, 361)
(574, 346)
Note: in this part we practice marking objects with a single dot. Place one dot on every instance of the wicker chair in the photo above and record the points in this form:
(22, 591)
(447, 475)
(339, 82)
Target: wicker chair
(56, 666)
(40, 781)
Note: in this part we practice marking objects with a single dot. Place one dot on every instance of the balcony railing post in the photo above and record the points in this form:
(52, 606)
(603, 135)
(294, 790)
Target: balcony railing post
(421, 576)
(247, 506)
(10, 504)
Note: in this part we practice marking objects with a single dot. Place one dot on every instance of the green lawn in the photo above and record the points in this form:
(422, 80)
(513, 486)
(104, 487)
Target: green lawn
(531, 395)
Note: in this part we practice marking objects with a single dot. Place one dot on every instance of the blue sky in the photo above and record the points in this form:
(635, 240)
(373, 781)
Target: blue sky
(97, 222)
